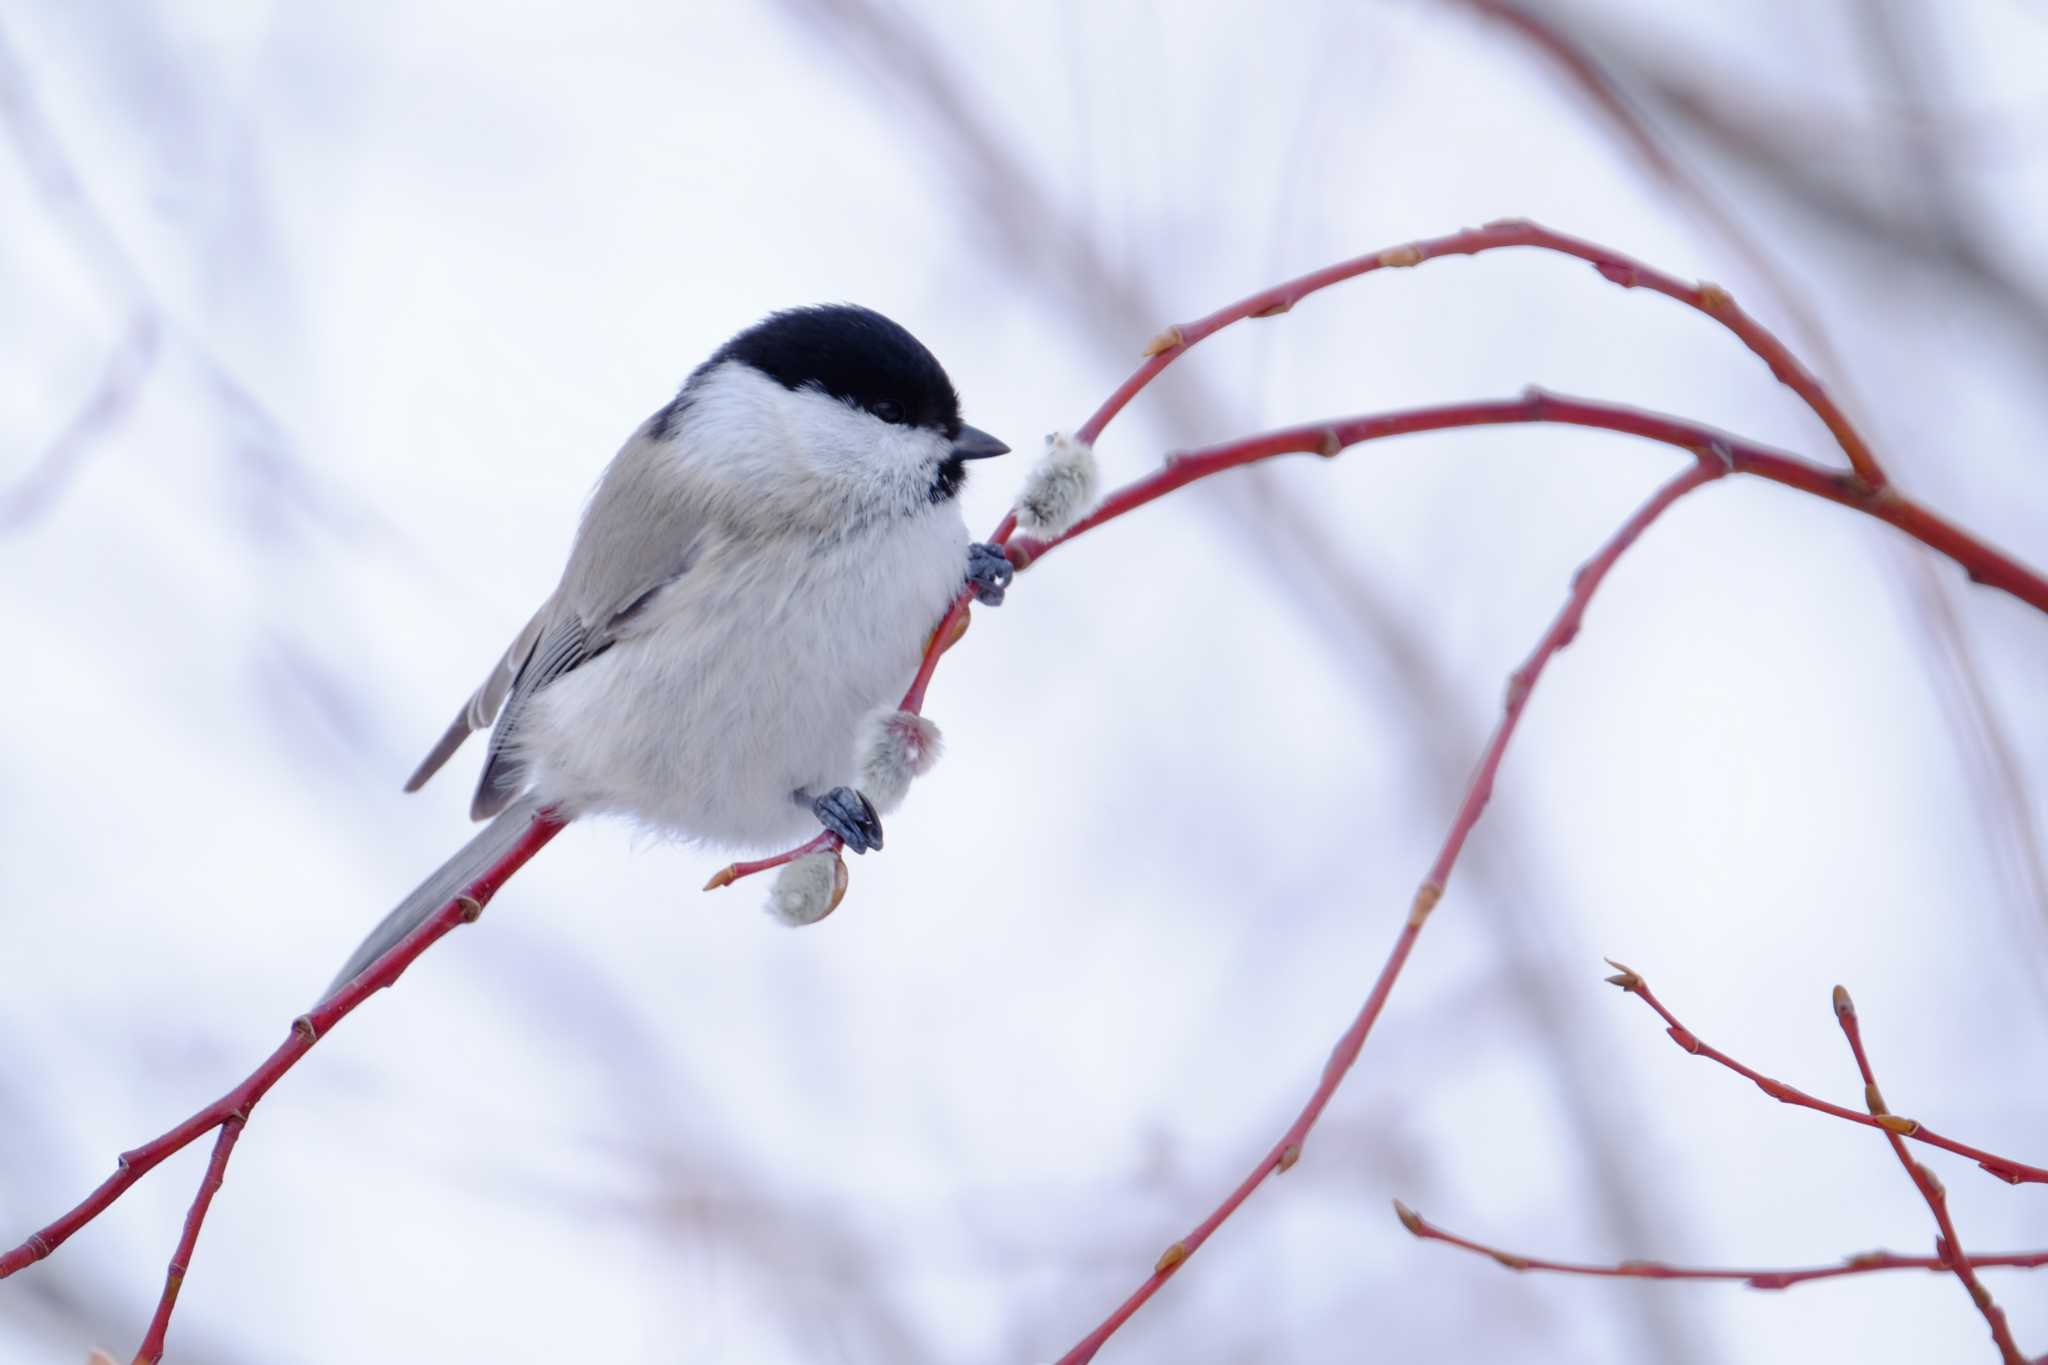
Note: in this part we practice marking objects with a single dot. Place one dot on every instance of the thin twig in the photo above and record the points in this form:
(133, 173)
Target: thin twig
(1924, 1180)
(1613, 266)
(1983, 562)
(2006, 1169)
(1287, 1150)
(306, 1030)
(152, 1348)
(1862, 1263)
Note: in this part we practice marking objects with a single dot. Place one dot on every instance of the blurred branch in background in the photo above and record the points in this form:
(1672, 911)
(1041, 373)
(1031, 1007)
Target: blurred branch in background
(127, 369)
(279, 477)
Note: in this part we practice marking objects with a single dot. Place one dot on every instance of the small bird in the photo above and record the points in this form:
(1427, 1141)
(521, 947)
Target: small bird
(759, 568)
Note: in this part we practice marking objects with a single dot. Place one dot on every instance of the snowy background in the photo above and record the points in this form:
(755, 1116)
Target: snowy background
(318, 323)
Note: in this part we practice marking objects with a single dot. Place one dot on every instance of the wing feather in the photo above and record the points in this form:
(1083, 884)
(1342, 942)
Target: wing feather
(644, 528)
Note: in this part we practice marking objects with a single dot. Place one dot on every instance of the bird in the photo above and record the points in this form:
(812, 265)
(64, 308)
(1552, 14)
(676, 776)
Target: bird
(758, 569)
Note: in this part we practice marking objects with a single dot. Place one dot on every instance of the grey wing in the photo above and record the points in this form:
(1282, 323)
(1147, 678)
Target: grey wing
(641, 532)
(563, 645)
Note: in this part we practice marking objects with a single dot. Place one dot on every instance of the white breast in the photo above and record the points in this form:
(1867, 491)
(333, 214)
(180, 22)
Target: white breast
(747, 681)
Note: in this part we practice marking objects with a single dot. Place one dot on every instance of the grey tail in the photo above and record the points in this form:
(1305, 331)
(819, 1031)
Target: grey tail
(448, 881)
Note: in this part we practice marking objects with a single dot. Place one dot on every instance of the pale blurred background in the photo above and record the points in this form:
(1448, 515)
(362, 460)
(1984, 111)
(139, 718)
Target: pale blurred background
(320, 321)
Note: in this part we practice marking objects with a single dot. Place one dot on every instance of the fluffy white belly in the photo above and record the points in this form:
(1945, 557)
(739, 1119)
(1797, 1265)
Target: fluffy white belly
(747, 682)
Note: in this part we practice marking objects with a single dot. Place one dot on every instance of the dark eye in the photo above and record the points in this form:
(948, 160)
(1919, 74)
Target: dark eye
(888, 410)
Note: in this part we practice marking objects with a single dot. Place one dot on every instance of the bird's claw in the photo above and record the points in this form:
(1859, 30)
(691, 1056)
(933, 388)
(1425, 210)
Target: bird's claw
(989, 572)
(851, 816)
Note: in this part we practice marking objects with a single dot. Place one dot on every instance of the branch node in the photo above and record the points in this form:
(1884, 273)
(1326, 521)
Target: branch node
(1510, 1260)
(1170, 1259)
(1896, 1123)
(1401, 257)
(1845, 1008)
(1623, 273)
(1517, 694)
(303, 1026)
(1332, 445)
(1410, 1219)
(1275, 308)
(1683, 1036)
(1289, 1154)
(1719, 452)
(472, 908)
(1426, 897)
(1712, 298)
(1873, 1100)
(1169, 340)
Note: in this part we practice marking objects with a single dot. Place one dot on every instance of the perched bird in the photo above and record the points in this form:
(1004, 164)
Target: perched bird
(758, 569)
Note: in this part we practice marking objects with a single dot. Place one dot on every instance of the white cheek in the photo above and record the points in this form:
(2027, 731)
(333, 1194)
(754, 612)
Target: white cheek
(846, 444)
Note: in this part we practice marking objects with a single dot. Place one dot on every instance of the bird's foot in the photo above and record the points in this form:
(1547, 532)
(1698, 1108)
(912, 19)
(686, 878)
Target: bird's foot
(849, 815)
(989, 572)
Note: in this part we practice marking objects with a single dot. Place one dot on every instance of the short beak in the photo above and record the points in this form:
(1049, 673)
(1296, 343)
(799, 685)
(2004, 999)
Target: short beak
(975, 444)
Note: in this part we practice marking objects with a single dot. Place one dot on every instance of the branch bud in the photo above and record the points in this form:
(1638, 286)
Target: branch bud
(1624, 976)
(1168, 340)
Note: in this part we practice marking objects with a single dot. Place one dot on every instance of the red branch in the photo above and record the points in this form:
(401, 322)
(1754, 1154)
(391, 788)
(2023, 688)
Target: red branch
(152, 1348)
(1949, 1246)
(2006, 1169)
(1614, 266)
(1285, 1152)
(231, 1110)
(1862, 1263)
(1983, 562)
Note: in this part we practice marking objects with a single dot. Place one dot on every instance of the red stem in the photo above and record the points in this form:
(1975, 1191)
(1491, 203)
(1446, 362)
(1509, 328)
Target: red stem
(2006, 1169)
(152, 1348)
(1614, 266)
(1983, 562)
(1863, 1263)
(1287, 1150)
(307, 1029)
(1924, 1180)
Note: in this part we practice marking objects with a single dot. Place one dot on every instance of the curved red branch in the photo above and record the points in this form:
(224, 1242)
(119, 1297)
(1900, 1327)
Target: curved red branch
(1613, 266)
(1287, 1150)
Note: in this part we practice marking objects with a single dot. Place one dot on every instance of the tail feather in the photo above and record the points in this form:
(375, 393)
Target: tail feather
(493, 842)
